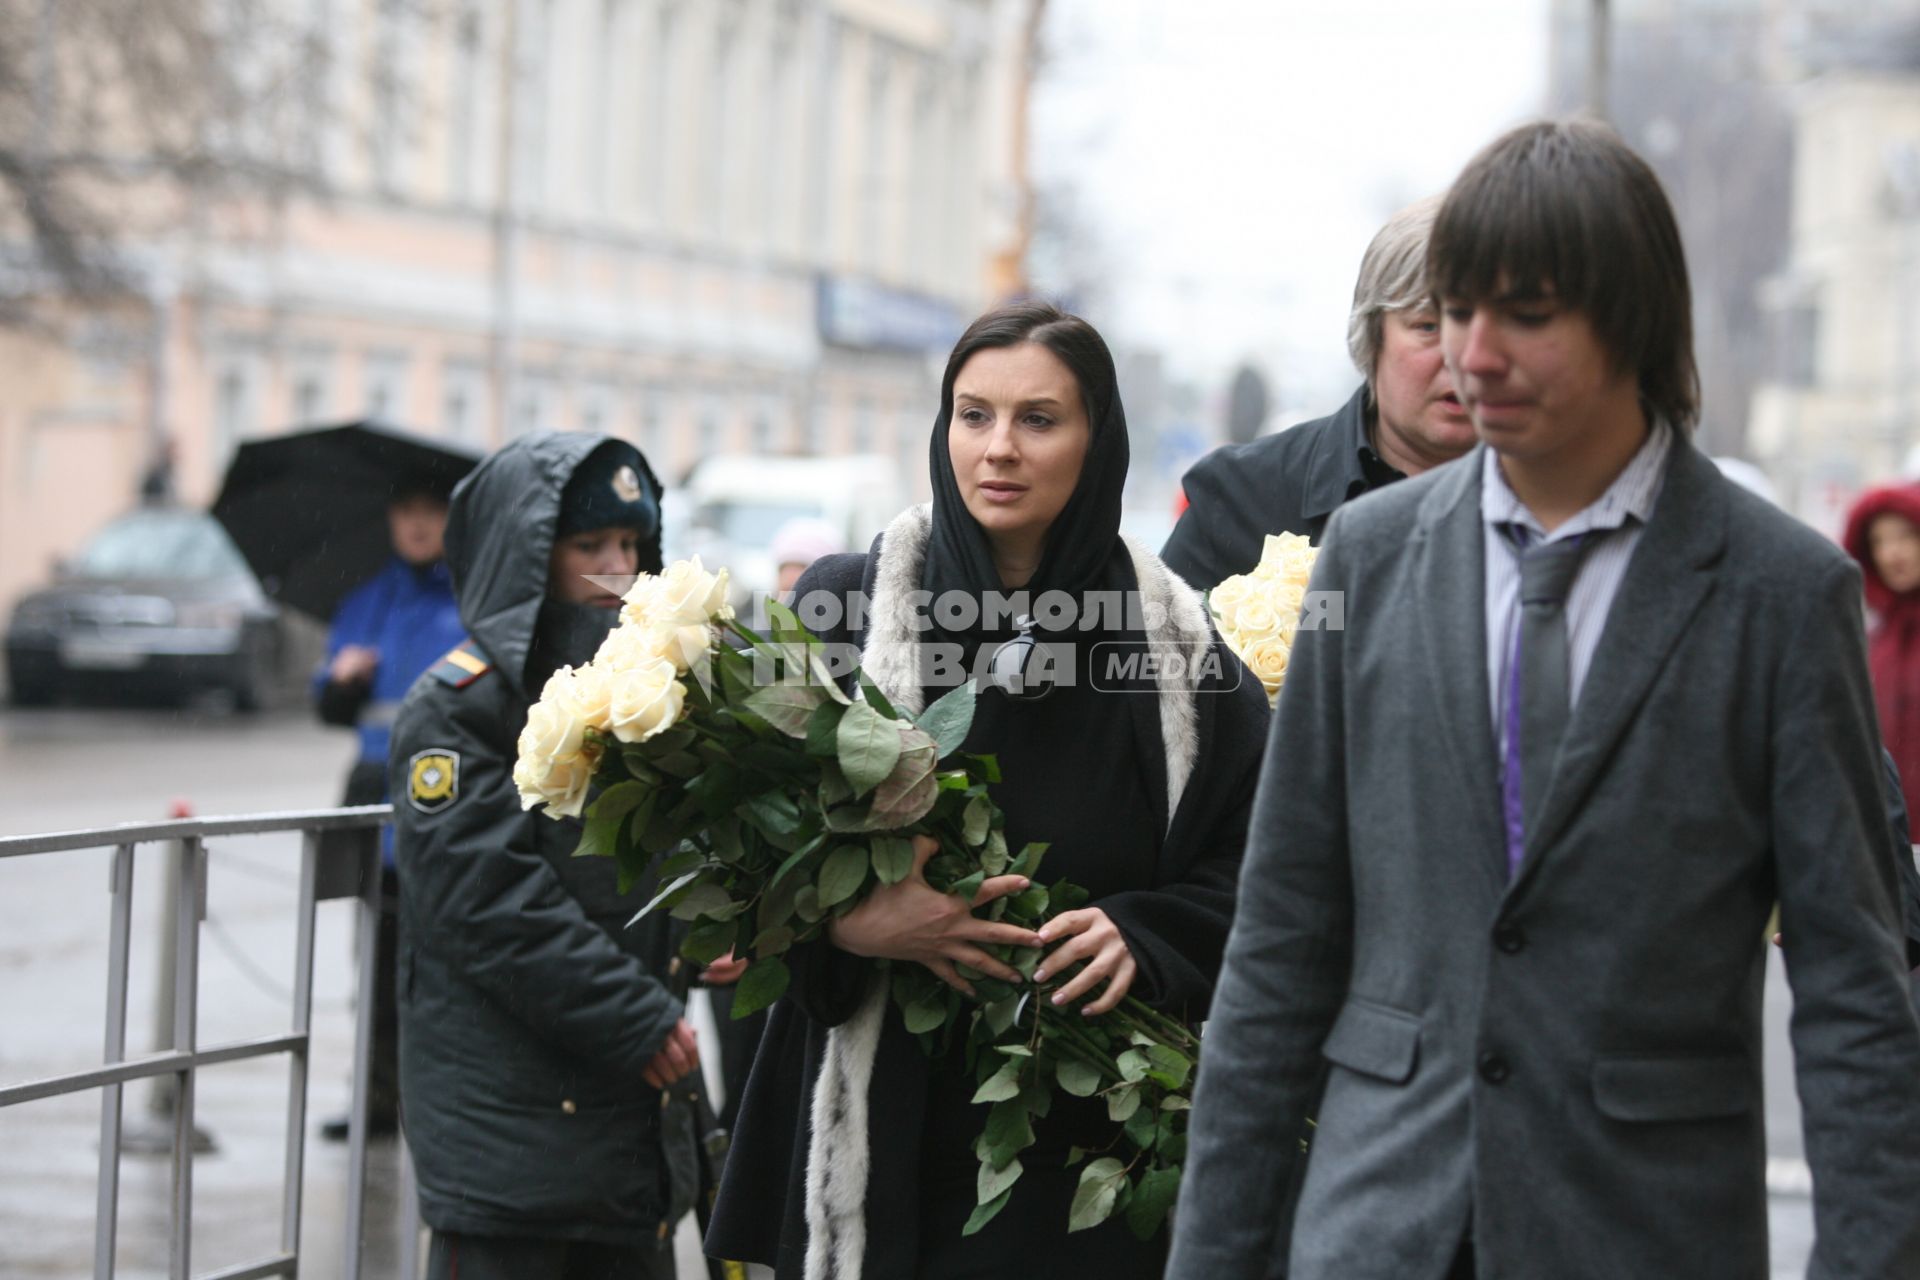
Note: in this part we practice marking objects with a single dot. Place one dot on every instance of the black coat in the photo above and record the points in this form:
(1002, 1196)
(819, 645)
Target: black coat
(527, 1008)
(1285, 483)
(1176, 928)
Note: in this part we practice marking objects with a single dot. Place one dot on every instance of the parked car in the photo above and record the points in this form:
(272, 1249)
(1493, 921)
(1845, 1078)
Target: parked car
(160, 601)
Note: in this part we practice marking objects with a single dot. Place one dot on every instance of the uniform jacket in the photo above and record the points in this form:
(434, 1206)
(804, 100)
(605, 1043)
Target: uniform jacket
(1567, 1064)
(1285, 483)
(527, 1008)
(822, 1178)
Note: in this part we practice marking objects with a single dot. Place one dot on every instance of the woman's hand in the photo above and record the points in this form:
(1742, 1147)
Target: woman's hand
(1091, 936)
(677, 1058)
(912, 920)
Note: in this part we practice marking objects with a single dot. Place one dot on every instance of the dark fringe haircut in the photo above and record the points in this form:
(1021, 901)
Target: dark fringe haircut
(1567, 209)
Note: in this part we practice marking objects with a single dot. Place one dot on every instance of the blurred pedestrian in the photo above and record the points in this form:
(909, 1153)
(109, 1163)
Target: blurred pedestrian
(797, 544)
(537, 1030)
(386, 632)
(1593, 710)
(1883, 536)
(1403, 420)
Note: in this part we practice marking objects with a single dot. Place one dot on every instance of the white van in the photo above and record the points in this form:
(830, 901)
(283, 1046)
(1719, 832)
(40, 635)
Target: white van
(736, 504)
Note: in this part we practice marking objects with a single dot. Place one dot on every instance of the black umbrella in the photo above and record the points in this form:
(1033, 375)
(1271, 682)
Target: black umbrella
(309, 509)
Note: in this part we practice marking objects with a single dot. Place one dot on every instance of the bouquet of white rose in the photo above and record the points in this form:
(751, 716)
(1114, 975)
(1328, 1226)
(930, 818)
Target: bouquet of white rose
(774, 802)
(1258, 611)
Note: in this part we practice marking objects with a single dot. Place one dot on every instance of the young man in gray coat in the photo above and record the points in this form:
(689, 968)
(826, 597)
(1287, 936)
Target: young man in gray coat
(1594, 710)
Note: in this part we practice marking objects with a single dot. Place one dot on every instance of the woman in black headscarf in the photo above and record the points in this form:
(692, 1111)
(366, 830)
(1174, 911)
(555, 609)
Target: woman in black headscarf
(853, 1153)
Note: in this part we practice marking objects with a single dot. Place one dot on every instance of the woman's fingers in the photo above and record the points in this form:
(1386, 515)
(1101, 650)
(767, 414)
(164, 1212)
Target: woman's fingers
(1068, 923)
(999, 887)
(924, 847)
(988, 932)
(1117, 987)
(975, 958)
(1079, 947)
(1098, 970)
(943, 969)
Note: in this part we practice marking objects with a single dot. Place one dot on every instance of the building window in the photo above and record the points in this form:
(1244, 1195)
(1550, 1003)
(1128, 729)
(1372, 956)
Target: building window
(386, 390)
(233, 409)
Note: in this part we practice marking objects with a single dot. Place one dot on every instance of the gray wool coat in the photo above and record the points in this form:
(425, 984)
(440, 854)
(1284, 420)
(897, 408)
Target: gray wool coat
(1567, 1065)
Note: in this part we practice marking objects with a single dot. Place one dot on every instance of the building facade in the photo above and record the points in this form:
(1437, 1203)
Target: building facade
(705, 225)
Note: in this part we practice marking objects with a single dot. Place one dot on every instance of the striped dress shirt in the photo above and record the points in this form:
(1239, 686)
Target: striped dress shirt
(1613, 523)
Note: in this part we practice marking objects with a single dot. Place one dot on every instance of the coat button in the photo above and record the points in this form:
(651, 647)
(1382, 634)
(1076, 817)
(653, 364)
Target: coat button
(1510, 938)
(566, 1105)
(666, 1229)
(1493, 1068)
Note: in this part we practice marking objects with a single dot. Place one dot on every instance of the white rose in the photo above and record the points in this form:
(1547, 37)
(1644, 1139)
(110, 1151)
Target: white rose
(1229, 595)
(555, 762)
(1257, 618)
(591, 691)
(1267, 659)
(685, 595)
(633, 645)
(647, 700)
(1288, 598)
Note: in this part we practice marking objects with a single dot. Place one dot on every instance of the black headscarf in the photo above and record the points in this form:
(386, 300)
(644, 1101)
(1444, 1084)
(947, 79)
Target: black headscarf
(1083, 551)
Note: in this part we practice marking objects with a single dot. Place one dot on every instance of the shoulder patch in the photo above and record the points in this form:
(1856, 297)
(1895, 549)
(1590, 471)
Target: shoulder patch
(433, 779)
(461, 667)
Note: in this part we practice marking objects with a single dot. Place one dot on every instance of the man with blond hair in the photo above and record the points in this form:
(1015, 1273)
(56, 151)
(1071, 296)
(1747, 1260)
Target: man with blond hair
(1403, 420)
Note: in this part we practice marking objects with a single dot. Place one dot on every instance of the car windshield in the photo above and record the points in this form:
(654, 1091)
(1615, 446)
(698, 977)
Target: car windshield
(753, 524)
(160, 544)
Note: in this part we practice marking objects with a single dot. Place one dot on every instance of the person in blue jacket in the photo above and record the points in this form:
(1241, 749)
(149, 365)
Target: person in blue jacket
(387, 631)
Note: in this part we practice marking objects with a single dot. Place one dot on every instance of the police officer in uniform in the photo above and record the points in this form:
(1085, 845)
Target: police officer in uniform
(538, 1036)
(386, 632)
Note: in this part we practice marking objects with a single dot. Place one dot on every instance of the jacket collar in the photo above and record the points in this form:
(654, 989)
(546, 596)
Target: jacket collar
(1335, 473)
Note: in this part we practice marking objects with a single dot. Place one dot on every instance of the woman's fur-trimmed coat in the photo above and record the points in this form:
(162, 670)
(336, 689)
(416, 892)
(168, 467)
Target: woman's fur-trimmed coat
(826, 1143)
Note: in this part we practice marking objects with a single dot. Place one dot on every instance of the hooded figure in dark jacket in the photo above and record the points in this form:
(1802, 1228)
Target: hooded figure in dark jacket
(853, 1155)
(536, 1029)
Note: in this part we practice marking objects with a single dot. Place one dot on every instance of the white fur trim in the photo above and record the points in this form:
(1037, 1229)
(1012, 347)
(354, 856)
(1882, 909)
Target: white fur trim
(839, 1152)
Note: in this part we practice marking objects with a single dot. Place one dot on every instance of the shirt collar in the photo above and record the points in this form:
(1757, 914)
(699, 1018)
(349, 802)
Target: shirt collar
(1630, 497)
(1344, 464)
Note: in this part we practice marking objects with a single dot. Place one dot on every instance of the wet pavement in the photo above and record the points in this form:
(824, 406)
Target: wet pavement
(71, 768)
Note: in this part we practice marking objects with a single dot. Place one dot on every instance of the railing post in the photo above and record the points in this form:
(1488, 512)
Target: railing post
(192, 887)
(369, 933)
(106, 1218)
(302, 1057)
(154, 1137)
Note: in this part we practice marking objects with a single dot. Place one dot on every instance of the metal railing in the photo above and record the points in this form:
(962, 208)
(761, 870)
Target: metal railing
(350, 872)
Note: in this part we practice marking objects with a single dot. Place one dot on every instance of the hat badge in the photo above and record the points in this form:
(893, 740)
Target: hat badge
(626, 484)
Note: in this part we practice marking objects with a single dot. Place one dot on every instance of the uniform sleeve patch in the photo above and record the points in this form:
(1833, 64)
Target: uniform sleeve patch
(433, 779)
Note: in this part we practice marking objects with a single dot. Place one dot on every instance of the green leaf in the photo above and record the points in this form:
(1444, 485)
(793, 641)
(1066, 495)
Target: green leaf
(911, 788)
(1153, 1196)
(869, 747)
(1029, 904)
(1133, 1066)
(606, 815)
(773, 812)
(1008, 1129)
(709, 940)
(1028, 863)
(1122, 1103)
(994, 1182)
(999, 1016)
(1171, 1067)
(787, 706)
(703, 900)
(1003, 1084)
(772, 942)
(969, 885)
(671, 889)
(989, 767)
(925, 1015)
(892, 858)
(1141, 1127)
(948, 720)
(993, 858)
(1076, 1077)
(842, 875)
(976, 821)
(876, 699)
(806, 904)
(1013, 1050)
(823, 730)
(764, 982)
(850, 817)
(1093, 1200)
(984, 1213)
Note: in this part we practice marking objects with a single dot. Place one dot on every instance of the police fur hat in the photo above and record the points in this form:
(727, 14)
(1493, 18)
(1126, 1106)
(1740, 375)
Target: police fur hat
(611, 488)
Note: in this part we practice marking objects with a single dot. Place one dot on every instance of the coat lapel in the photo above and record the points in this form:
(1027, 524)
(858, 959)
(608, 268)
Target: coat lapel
(1451, 583)
(1665, 583)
